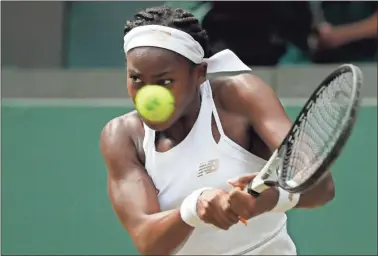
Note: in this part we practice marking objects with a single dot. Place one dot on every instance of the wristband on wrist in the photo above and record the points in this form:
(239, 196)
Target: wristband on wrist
(286, 201)
(188, 209)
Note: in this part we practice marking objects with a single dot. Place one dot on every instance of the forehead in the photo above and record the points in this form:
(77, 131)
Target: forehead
(150, 59)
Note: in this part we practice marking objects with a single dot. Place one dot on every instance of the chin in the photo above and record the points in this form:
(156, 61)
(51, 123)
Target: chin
(157, 126)
(161, 126)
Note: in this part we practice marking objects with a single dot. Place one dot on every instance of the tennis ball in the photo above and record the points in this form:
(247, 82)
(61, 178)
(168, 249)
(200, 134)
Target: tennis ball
(154, 103)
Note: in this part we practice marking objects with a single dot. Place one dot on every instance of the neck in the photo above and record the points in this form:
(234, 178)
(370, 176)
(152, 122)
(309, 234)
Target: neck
(179, 130)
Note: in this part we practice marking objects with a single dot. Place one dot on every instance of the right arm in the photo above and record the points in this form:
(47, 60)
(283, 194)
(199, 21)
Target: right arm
(133, 195)
(336, 36)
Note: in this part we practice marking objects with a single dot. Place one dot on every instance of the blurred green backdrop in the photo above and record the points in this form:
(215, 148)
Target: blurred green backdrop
(54, 195)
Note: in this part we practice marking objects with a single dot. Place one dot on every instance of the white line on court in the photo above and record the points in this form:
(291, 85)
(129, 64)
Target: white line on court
(109, 102)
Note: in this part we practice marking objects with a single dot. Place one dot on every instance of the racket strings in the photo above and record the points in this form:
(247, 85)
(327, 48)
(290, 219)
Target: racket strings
(319, 129)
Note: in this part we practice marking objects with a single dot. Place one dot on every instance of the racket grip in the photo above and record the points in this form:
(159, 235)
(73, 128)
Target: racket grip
(261, 185)
(253, 193)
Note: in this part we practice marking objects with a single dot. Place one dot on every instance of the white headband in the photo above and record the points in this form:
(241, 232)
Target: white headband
(183, 44)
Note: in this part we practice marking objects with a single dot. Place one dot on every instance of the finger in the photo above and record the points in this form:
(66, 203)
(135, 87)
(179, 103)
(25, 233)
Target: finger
(242, 181)
(235, 185)
(235, 190)
(226, 211)
(238, 193)
(232, 217)
(241, 203)
(241, 219)
(223, 221)
(226, 215)
(214, 220)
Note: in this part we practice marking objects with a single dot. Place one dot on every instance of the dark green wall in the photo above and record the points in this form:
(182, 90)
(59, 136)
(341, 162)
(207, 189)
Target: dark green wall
(94, 32)
(54, 196)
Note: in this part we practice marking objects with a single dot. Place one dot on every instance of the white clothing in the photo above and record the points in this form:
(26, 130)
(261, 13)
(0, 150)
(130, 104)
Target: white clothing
(198, 161)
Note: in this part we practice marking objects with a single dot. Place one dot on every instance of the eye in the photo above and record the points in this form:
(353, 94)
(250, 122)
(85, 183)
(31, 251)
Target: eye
(165, 82)
(135, 79)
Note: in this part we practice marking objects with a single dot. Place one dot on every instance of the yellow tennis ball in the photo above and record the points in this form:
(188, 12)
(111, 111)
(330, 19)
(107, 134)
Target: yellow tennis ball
(155, 103)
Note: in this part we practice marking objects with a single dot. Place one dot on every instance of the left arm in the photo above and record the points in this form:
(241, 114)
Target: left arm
(256, 100)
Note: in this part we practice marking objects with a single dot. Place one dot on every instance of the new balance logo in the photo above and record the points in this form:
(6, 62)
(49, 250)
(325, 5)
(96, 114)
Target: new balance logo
(208, 167)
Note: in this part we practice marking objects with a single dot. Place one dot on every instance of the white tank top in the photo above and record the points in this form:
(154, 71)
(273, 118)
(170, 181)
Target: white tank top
(198, 161)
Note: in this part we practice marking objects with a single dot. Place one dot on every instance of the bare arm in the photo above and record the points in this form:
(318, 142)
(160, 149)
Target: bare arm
(335, 36)
(133, 195)
(366, 28)
(256, 100)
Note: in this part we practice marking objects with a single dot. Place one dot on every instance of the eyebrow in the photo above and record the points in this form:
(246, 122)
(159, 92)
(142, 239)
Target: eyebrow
(162, 74)
(136, 73)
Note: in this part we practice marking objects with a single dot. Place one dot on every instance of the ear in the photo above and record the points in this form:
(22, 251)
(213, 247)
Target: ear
(202, 72)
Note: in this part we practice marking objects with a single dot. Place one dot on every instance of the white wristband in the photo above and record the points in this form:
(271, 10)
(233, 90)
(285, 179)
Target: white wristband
(286, 201)
(188, 209)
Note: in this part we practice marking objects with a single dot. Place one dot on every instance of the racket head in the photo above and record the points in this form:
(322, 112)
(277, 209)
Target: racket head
(307, 176)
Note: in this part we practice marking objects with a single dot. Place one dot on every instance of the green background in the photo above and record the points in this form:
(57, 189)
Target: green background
(54, 195)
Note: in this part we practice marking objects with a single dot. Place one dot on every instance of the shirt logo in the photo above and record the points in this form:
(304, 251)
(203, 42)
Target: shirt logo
(208, 167)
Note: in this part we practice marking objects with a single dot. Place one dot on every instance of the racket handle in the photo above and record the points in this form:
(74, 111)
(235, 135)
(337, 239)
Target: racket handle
(253, 192)
(258, 186)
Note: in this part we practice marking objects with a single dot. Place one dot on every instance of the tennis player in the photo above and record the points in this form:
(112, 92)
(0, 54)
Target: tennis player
(169, 183)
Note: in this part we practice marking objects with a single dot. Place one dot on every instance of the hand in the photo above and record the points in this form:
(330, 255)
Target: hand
(328, 37)
(213, 207)
(247, 206)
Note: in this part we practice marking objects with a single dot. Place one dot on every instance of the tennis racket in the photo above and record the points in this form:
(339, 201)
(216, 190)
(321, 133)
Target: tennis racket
(317, 136)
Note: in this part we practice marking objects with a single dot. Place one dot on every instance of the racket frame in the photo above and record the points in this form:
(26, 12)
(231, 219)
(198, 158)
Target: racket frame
(275, 162)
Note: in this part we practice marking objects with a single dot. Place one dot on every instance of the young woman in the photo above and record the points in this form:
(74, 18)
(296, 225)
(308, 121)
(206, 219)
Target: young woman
(168, 182)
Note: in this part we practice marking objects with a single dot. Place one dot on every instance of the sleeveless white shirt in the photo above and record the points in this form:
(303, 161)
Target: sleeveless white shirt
(198, 161)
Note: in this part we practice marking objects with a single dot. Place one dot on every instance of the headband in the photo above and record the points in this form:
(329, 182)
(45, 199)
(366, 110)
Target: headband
(184, 44)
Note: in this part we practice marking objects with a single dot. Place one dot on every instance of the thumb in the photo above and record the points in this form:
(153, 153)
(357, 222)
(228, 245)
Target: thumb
(242, 181)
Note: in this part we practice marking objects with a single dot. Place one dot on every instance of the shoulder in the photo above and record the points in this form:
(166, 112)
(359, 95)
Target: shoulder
(239, 84)
(121, 133)
(234, 92)
(125, 126)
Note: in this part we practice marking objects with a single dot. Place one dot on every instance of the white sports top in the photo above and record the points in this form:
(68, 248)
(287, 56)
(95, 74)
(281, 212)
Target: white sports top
(198, 161)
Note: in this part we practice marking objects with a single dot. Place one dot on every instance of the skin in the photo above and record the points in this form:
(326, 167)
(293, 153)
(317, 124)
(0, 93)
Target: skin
(251, 115)
(336, 36)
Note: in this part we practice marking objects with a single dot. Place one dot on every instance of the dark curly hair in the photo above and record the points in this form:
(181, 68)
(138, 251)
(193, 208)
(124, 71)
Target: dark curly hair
(177, 18)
